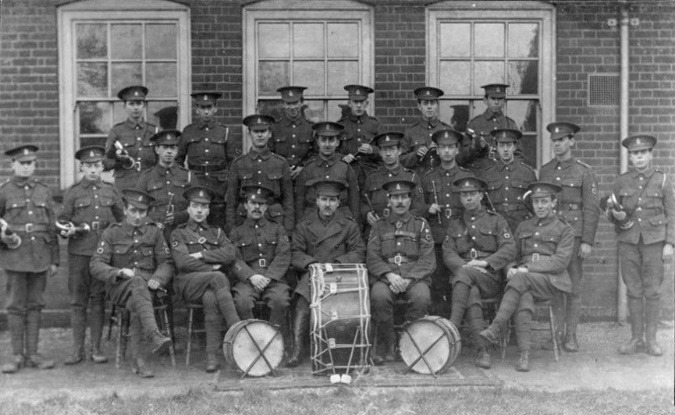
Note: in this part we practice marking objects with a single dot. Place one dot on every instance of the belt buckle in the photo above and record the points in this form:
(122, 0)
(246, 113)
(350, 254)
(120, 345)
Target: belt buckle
(95, 226)
(262, 262)
(137, 165)
(474, 253)
(448, 213)
(398, 259)
(29, 227)
(201, 240)
(535, 257)
(385, 212)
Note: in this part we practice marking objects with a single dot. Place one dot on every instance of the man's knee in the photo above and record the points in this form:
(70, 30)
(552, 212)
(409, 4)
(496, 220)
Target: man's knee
(525, 303)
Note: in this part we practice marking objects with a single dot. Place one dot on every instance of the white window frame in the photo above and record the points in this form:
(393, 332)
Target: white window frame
(500, 10)
(105, 10)
(300, 10)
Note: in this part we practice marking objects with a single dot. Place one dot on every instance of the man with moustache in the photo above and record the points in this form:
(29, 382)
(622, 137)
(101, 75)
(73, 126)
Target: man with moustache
(400, 259)
(202, 253)
(133, 259)
(325, 235)
(544, 246)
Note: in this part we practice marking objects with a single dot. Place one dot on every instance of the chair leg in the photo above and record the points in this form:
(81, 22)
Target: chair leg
(111, 321)
(189, 336)
(164, 316)
(554, 329)
(122, 318)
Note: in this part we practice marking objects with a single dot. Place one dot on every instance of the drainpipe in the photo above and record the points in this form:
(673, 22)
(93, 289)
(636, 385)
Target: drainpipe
(622, 308)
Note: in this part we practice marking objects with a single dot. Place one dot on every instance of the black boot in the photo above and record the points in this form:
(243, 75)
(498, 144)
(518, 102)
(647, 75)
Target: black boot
(635, 343)
(652, 309)
(300, 328)
(384, 344)
(571, 344)
(78, 325)
(33, 358)
(16, 325)
(96, 317)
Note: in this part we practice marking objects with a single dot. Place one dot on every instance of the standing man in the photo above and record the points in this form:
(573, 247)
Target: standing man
(476, 248)
(263, 259)
(91, 205)
(360, 128)
(508, 178)
(202, 253)
(204, 144)
(327, 165)
(444, 204)
(292, 135)
(260, 167)
(29, 253)
(129, 150)
(417, 143)
(400, 260)
(132, 259)
(539, 273)
(578, 205)
(645, 224)
(325, 235)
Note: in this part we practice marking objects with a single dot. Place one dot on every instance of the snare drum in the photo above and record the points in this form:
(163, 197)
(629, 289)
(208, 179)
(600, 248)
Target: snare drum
(340, 312)
(254, 347)
(429, 345)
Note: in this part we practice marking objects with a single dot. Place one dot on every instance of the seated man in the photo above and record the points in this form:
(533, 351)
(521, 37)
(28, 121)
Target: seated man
(202, 252)
(544, 249)
(325, 235)
(263, 259)
(476, 248)
(400, 260)
(132, 258)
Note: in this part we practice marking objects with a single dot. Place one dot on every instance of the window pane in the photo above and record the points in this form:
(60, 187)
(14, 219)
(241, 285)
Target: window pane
(524, 113)
(125, 74)
(127, 41)
(523, 77)
(528, 143)
(343, 40)
(311, 75)
(315, 111)
(455, 113)
(272, 75)
(273, 40)
(94, 117)
(524, 40)
(271, 107)
(91, 41)
(455, 78)
(93, 141)
(479, 107)
(163, 114)
(487, 73)
(455, 39)
(340, 74)
(489, 39)
(92, 79)
(160, 41)
(119, 114)
(161, 79)
(308, 40)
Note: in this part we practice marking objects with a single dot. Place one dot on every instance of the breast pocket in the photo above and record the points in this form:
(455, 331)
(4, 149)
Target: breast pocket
(155, 187)
(247, 250)
(487, 240)
(571, 191)
(147, 259)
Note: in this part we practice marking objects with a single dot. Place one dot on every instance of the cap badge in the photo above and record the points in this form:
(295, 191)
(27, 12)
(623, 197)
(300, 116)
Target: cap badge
(637, 141)
(387, 138)
(201, 193)
(26, 151)
(290, 93)
(398, 186)
(557, 130)
(504, 135)
(135, 93)
(357, 92)
(499, 89)
(91, 153)
(206, 97)
(467, 184)
(259, 191)
(140, 198)
(428, 92)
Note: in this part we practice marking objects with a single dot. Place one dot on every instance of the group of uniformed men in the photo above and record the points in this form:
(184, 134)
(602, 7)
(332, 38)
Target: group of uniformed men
(437, 215)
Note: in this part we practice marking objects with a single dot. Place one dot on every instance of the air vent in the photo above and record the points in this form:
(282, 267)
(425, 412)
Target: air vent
(603, 90)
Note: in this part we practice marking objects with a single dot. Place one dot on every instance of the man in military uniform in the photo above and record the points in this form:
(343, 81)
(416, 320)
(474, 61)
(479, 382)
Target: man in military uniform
(444, 204)
(292, 135)
(202, 254)
(476, 156)
(166, 182)
(263, 259)
(400, 260)
(128, 148)
(29, 252)
(360, 128)
(324, 236)
(578, 205)
(204, 144)
(508, 178)
(260, 167)
(544, 248)
(419, 151)
(645, 224)
(374, 200)
(476, 248)
(89, 207)
(327, 165)
(132, 259)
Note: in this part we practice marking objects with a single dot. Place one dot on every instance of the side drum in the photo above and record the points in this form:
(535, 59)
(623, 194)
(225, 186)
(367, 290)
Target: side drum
(253, 347)
(429, 345)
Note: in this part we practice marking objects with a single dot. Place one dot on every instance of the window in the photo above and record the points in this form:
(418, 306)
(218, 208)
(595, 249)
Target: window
(323, 45)
(473, 44)
(105, 46)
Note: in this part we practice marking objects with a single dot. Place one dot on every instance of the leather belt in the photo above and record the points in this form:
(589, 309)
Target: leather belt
(204, 168)
(399, 259)
(475, 254)
(569, 206)
(507, 207)
(260, 263)
(28, 228)
(534, 257)
(98, 225)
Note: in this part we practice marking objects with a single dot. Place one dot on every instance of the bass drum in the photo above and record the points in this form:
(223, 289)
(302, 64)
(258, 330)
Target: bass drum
(253, 347)
(429, 345)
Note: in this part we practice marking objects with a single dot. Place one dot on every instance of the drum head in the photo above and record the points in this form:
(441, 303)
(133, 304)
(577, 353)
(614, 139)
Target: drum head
(432, 338)
(244, 343)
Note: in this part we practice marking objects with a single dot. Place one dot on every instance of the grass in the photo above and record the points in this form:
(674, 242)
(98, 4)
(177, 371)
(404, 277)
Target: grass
(364, 401)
